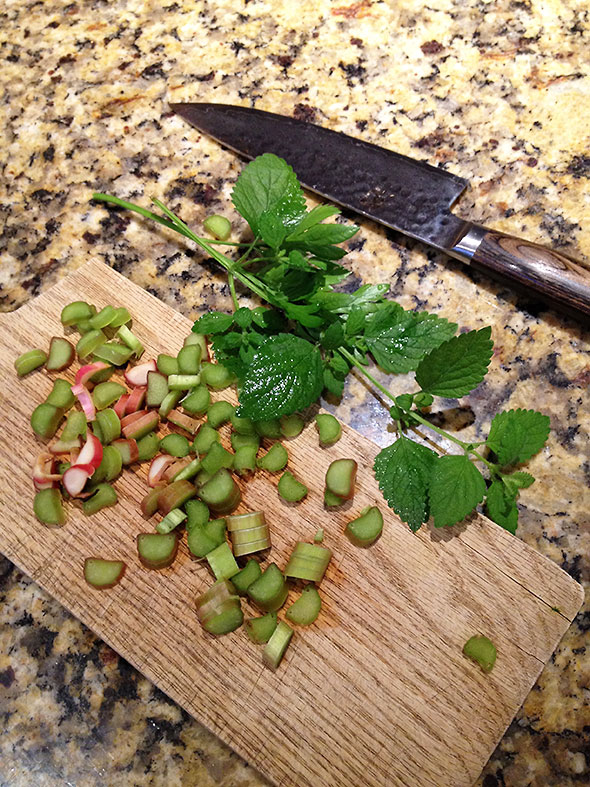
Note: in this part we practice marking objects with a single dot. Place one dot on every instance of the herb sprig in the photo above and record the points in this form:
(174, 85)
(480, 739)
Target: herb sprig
(285, 357)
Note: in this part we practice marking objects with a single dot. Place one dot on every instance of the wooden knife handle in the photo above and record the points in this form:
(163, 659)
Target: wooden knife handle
(537, 270)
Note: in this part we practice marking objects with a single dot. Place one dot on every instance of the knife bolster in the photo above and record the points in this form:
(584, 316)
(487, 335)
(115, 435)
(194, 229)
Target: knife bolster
(466, 247)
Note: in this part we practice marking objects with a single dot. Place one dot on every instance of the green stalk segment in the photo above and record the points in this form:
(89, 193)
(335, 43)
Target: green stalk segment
(216, 376)
(244, 578)
(245, 459)
(148, 446)
(127, 449)
(167, 364)
(45, 420)
(120, 317)
(198, 400)
(113, 352)
(216, 458)
(329, 428)
(261, 629)
(89, 343)
(104, 496)
(61, 354)
(221, 493)
(290, 489)
(131, 340)
(103, 574)
(242, 425)
(305, 610)
(241, 440)
(270, 591)
(169, 402)
(309, 562)
(74, 312)
(197, 338)
(106, 394)
(249, 533)
(331, 500)
(198, 514)
(277, 645)
(103, 318)
(222, 562)
(183, 421)
(219, 413)
(157, 550)
(48, 507)
(109, 425)
(204, 439)
(175, 445)
(61, 394)
(218, 226)
(219, 609)
(182, 382)
(481, 650)
(103, 374)
(274, 459)
(189, 471)
(157, 389)
(189, 359)
(291, 425)
(142, 426)
(76, 426)
(270, 429)
(365, 529)
(110, 466)
(171, 520)
(341, 477)
(319, 536)
(175, 495)
(149, 504)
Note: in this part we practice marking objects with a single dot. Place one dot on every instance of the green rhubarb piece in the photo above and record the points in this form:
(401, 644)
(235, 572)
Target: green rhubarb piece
(109, 424)
(131, 340)
(197, 401)
(61, 394)
(189, 471)
(202, 477)
(215, 530)
(89, 343)
(189, 359)
(45, 420)
(169, 402)
(274, 459)
(171, 521)
(291, 425)
(148, 446)
(481, 650)
(127, 449)
(341, 476)
(104, 496)
(103, 574)
(157, 389)
(222, 562)
(241, 440)
(74, 312)
(156, 550)
(219, 413)
(218, 226)
(331, 500)
(48, 507)
(269, 592)
(103, 374)
(276, 646)
(204, 538)
(308, 562)
(271, 429)
(76, 426)
(175, 445)
(244, 578)
(149, 503)
(29, 361)
(305, 610)
(228, 618)
(109, 467)
(205, 438)
(61, 354)
(245, 459)
(366, 528)
(290, 489)
(242, 425)
(120, 317)
(167, 364)
(106, 394)
(197, 513)
(216, 458)
(261, 629)
(216, 376)
(175, 495)
(182, 382)
(113, 352)
(329, 428)
(319, 536)
(103, 318)
(221, 493)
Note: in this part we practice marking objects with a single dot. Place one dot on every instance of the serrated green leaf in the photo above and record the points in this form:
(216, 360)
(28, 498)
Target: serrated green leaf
(516, 435)
(268, 185)
(456, 487)
(516, 481)
(271, 229)
(403, 472)
(333, 336)
(212, 323)
(457, 366)
(332, 383)
(298, 261)
(286, 375)
(226, 341)
(243, 317)
(355, 324)
(398, 340)
(501, 507)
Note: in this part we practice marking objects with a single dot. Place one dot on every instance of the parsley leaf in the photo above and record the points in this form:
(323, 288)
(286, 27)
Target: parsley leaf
(516, 435)
(285, 376)
(321, 239)
(268, 186)
(403, 472)
(212, 323)
(501, 507)
(343, 302)
(456, 487)
(333, 336)
(314, 216)
(457, 366)
(398, 340)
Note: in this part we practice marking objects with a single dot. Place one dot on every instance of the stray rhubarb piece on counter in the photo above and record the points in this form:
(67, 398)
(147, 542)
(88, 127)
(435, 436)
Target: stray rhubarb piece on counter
(290, 489)
(74, 312)
(218, 226)
(103, 574)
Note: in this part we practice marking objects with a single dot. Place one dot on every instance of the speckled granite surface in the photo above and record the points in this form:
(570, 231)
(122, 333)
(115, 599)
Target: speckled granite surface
(497, 92)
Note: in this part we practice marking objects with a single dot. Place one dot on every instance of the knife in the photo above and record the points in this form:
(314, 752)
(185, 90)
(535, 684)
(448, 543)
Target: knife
(408, 196)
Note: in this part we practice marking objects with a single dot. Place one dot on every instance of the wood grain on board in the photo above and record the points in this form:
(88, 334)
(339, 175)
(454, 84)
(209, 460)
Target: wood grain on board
(377, 692)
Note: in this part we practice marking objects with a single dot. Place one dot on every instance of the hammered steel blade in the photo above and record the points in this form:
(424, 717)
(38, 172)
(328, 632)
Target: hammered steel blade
(407, 195)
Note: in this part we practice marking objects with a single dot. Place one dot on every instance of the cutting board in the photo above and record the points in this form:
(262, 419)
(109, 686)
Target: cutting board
(377, 691)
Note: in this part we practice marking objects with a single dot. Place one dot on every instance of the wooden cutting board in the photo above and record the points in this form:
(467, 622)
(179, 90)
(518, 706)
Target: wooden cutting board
(377, 692)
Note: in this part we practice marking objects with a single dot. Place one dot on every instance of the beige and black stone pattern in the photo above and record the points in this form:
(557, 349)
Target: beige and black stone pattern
(498, 93)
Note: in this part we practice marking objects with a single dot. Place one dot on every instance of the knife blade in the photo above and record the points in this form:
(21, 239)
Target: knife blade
(409, 196)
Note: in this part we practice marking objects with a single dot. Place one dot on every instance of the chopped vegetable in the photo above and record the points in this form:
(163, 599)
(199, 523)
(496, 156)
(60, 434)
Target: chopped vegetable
(147, 446)
(85, 374)
(138, 425)
(61, 394)
(61, 354)
(242, 440)
(182, 382)
(127, 449)
(157, 550)
(196, 338)
(221, 493)
(89, 343)
(222, 562)
(319, 536)
(306, 609)
(216, 376)
(120, 317)
(290, 489)
(308, 561)
(175, 495)
(216, 458)
(199, 543)
(103, 574)
(109, 424)
(340, 478)
(75, 426)
(74, 312)
(75, 477)
(183, 421)
(103, 317)
(157, 389)
(291, 425)
(158, 468)
(219, 413)
(261, 629)
(136, 399)
(106, 394)
(189, 471)
(242, 425)
(197, 401)
(167, 364)
(149, 504)
(271, 429)
(227, 617)
(205, 437)
(138, 375)
(189, 359)
(274, 459)
(329, 428)
(171, 520)
(481, 650)
(85, 401)
(113, 352)
(198, 514)
(48, 508)
(104, 496)
(249, 533)
(244, 578)
(276, 646)
(245, 459)
(110, 465)
(45, 420)
(131, 340)
(365, 529)
(169, 402)
(218, 226)
(269, 592)
(175, 445)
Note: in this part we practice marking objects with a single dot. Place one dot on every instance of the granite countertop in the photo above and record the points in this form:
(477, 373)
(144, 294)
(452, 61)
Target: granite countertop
(495, 92)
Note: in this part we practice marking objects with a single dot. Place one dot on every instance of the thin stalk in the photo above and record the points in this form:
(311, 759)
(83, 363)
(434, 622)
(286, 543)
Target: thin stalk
(232, 288)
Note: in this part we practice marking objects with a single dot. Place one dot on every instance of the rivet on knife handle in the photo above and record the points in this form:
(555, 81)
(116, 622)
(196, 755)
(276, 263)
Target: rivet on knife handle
(557, 279)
